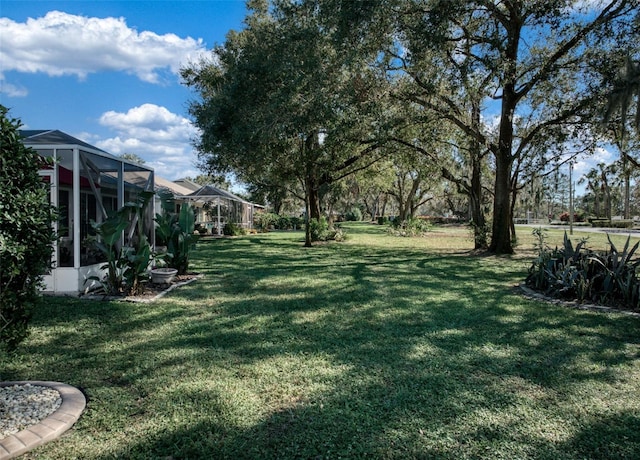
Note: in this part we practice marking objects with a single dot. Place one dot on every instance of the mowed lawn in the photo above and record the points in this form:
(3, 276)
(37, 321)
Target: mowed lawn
(378, 347)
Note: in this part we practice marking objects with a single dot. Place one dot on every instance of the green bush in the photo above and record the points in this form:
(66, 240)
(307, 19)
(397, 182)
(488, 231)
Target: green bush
(177, 231)
(319, 229)
(26, 234)
(579, 273)
(282, 223)
(410, 227)
(336, 234)
(383, 220)
(265, 220)
(353, 215)
(621, 224)
(233, 229)
(126, 267)
(611, 223)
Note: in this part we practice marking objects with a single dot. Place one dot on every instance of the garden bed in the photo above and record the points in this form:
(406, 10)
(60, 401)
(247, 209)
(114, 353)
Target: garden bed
(151, 292)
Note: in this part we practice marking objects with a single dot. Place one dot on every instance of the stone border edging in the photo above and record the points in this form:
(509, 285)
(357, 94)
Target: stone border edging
(49, 428)
(166, 291)
(532, 294)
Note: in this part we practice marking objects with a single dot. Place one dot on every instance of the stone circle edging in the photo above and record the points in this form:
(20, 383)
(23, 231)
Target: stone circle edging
(49, 428)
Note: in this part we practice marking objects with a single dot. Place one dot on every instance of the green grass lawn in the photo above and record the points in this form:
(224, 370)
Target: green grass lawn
(378, 347)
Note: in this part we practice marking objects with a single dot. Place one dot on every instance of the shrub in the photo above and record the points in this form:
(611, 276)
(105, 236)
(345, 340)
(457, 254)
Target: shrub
(283, 223)
(319, 229)
(582, 274)
(612, 223)
(233, 229)
(126, 267)
(26, 235)
(410, 227)
(201, 229)
(383, 220)
(621, 223)
(265, 220)
(353, 215)
(577, 217)
(177, 230)
(337, 234)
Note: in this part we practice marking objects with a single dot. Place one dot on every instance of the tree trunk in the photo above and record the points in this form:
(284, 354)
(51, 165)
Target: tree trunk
(626, 172)
(501, 229)
(385, 199)
(512, 223)
(475, 190)
(475, 201)
(307, 222)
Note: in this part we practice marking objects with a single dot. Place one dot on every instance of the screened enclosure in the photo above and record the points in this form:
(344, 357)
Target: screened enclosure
(86, 184)
(216, 207)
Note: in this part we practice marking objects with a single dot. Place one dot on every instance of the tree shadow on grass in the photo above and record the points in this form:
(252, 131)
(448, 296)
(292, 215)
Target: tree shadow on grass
(430, 356)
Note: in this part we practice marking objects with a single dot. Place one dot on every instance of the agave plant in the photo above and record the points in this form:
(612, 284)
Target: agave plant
(583, 274)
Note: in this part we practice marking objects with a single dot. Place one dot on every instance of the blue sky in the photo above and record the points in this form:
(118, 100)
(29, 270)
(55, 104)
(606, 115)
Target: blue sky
(106, 71)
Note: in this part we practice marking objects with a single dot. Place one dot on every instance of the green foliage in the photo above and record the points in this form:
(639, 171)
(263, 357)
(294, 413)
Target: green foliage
(127, 266)
(585, 275)
(265, 220)
(110, 232)
(138, 254)
(26, 235)
(181, 238)
(410, 227)
(353, 215)
(233, 229)
(319, 229)
(177, 231)
(612, 223)
(289, 223)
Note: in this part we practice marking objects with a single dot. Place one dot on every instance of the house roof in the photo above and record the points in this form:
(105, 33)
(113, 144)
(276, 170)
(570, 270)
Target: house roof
(208, 191)
(53, 137)
(188, 184)
(177, 189)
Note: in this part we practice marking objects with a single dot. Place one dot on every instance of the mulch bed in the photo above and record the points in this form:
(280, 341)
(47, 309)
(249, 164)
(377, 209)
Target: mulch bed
(151, 290)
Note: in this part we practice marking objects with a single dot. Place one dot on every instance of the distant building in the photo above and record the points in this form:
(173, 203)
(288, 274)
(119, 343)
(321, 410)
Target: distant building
(214, 207)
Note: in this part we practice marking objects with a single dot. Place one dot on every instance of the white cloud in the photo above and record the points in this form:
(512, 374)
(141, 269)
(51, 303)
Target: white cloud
(12, 90)
(601, 155)
(65, 44)
(160, 137)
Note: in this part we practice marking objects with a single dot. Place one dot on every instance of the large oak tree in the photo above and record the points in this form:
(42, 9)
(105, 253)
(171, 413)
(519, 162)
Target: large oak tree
(286, 100)
(538, 67)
